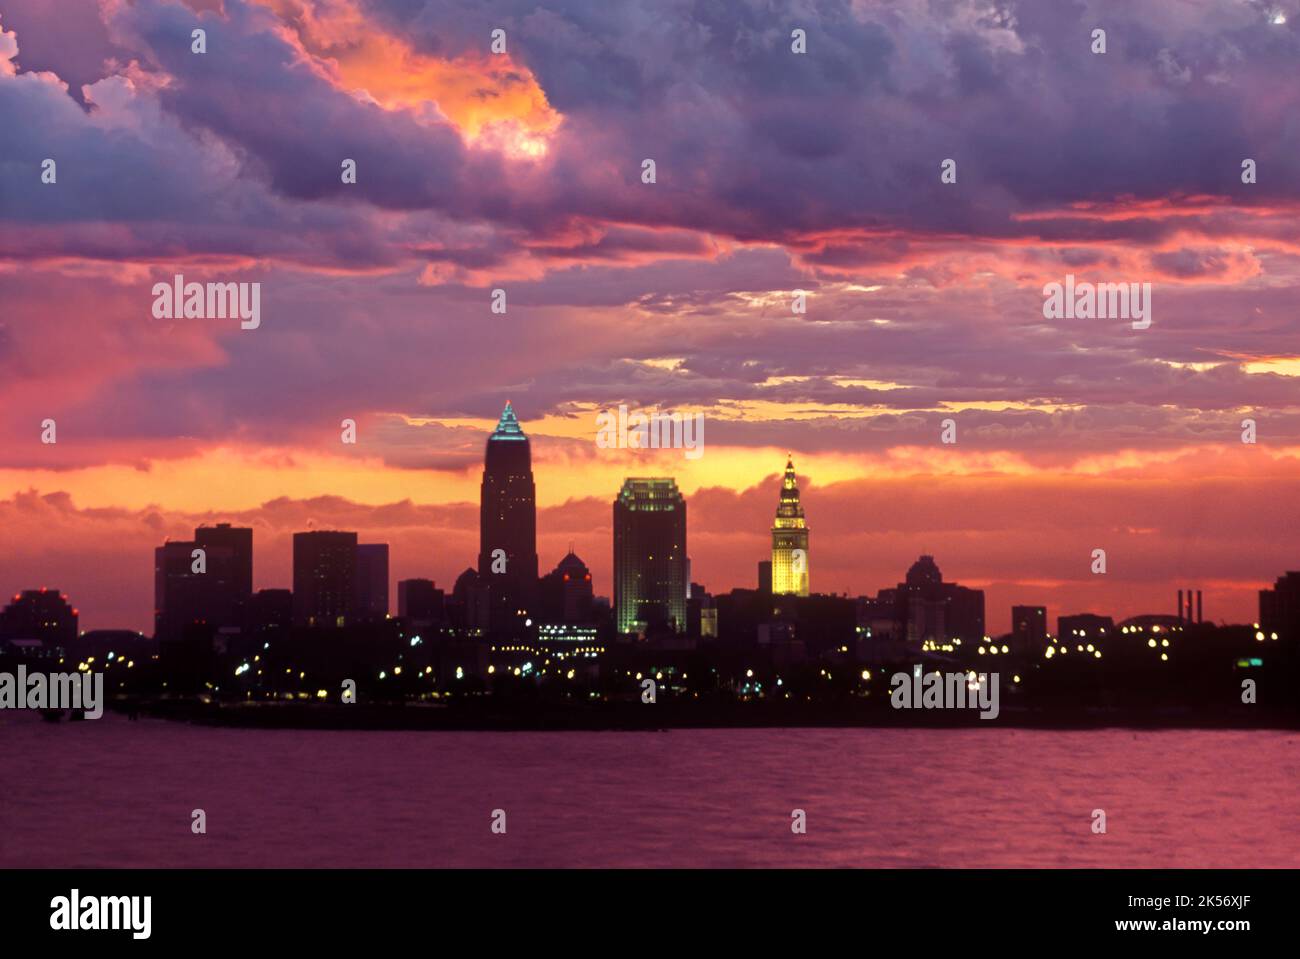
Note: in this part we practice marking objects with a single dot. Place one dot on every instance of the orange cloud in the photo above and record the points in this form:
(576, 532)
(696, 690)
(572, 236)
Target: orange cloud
(492, 101)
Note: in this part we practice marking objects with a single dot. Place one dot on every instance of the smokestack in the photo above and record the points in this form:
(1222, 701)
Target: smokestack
(1180, 605)
(1189, 606)
(1198, 607)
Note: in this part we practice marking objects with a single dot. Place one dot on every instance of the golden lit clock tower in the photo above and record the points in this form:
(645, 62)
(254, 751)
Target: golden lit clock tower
(789, 540)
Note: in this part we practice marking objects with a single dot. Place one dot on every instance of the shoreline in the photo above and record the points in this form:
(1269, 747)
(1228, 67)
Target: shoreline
(635, 717)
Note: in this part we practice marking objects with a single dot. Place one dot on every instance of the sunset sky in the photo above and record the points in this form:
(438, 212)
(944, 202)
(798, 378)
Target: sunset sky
(776, 172)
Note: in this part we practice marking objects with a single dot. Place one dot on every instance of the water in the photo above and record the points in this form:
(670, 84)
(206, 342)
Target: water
(120, 793)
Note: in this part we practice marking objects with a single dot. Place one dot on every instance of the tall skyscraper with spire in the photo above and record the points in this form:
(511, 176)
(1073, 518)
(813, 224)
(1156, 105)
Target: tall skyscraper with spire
(789, 540)
(507, 557)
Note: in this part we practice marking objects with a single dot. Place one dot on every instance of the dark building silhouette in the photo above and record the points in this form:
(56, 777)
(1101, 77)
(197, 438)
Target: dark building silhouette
(739, 613)
(939, 611)
(469, 606)
(780, 640)
(650, 564)
(203, 585)
(270, 609)
(925, 609)
(765, 577)
(194, 590)
(820, 622)
(420, 601)
(109, 645)
(370, 587)
(507, 559)
(41, 614)
(1084, 626)
(701, 614)
(878, 617)
(324, 577)
(1279, 607)
(566, 593)
(1028, 629)
(233, 579)
(176, 589)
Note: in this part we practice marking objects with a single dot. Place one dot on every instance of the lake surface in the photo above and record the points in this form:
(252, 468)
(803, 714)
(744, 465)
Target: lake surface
(118, 793)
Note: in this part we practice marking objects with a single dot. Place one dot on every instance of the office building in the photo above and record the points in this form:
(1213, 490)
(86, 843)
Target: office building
(507, 559)
(324, 577)
(650, 571)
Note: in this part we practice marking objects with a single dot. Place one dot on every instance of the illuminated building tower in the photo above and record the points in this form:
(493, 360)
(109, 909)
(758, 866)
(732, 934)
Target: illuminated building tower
(650, 576)
(508, 523)
(789, 541)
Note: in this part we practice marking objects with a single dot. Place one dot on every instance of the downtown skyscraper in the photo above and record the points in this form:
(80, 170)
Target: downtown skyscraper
(650, 564)
(205, 583)
(324, 578)
(507, 557)
(789, 540)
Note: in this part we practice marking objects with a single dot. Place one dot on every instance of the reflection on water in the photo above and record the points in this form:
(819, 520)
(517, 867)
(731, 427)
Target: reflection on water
(119, 793)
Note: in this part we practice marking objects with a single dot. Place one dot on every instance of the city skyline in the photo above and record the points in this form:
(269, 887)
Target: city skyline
(337, 579)
(921, 297)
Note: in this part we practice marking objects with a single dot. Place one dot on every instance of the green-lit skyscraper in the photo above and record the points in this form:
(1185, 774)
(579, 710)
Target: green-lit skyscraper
(650, 566)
